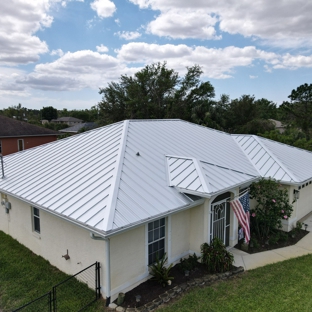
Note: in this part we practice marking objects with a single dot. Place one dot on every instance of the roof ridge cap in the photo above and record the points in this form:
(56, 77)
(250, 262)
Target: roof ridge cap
(111, 205)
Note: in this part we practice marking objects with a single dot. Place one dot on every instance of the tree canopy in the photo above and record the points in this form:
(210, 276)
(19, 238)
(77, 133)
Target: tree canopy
(298, 111)
(156, 92)
(49, 113)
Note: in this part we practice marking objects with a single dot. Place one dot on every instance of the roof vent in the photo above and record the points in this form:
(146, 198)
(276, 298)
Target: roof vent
(138, 154)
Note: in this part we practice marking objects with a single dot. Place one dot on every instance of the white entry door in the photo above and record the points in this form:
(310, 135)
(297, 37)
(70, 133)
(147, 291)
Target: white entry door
(220, 221)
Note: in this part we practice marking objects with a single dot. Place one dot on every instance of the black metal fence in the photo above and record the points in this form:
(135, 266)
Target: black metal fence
(71, 295)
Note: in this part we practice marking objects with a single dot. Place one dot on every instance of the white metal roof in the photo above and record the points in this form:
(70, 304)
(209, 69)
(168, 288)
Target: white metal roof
(282, 162)
(117, 176)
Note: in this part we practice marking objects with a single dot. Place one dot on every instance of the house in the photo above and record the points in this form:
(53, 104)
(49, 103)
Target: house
(123, 193)
(70, 121)
(16, 135)
(278, 125)
(76, 128)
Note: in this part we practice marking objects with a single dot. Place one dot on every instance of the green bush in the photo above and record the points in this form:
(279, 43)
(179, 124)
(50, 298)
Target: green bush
(272, 206)
(215, 256)
(283, 236)
(160, 272)
(189, 264)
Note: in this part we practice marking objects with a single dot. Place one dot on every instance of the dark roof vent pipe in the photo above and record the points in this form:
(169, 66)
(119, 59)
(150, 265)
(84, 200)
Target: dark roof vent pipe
(1, 157)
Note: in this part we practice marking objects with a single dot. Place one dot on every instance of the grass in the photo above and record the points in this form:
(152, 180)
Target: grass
(25, 276)
(284, 286)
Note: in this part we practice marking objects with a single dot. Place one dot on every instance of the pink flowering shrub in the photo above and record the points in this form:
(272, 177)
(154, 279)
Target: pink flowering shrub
(272, 206)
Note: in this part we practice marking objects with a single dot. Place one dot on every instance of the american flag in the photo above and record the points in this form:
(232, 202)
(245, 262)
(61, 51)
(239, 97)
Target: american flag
(241, 209)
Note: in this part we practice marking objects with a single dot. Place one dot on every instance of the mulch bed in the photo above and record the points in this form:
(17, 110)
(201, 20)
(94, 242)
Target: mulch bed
(150, 289)
(280, 244)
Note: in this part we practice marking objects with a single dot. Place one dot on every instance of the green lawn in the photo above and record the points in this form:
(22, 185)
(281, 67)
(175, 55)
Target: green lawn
(285, 286)
(25, 276)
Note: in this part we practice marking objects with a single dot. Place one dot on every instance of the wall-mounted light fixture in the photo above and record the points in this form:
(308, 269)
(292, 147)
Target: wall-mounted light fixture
(7, 205)
(296, 194)
(66, 256)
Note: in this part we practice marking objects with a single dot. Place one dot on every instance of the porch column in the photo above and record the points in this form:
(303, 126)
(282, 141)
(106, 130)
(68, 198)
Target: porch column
(233, 223)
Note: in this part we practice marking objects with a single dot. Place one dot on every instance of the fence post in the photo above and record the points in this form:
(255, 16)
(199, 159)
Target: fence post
(50, 301)
(54, 299)
(98, 284)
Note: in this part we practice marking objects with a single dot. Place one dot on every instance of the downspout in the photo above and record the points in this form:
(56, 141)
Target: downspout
(107, 266)
(2, 165)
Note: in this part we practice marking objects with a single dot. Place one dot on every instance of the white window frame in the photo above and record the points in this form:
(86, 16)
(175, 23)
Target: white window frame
(35, 217)
(18, 145)
(156, 234)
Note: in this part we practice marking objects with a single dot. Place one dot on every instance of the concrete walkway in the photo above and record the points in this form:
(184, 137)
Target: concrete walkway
(249, 262)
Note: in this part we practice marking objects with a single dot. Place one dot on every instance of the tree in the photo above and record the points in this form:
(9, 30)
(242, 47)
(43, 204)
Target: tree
(240, 112)
(257, 126)
(49, 113)
(299, 110)
(266, 109)
(155, 92)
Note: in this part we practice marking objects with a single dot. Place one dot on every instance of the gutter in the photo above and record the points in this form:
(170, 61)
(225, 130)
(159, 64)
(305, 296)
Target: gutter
(30, 135)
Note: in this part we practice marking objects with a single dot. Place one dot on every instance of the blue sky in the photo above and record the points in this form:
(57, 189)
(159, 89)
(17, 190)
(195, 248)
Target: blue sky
(60, 52)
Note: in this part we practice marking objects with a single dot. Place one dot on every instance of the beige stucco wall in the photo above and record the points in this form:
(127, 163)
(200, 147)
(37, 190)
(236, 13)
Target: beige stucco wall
(180, 235)
(185, 232)
(56, 237)
(128, 259)
(303, 205)
(199, 226)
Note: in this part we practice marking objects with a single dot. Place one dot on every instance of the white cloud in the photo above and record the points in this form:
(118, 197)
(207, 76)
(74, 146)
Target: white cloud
(74, 71)
(18, 24)
(57, 52)
(128, 35)
(276, 23)
(253, 77)
(103, 8)
(293, 62)
(216, 63)
(101, 48)
(89, 69)
(177, 23)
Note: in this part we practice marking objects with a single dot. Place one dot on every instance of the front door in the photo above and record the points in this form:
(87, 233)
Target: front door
(220, 220)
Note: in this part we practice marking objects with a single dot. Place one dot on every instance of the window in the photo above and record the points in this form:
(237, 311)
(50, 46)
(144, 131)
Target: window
(36, 220)
(156, 240)
(20, 144)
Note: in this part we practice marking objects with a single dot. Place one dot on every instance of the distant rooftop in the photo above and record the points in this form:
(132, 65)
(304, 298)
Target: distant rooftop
(76, 128)
(12, 128)
(67, 119)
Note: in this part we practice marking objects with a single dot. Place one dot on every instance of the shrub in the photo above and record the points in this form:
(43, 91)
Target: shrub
(254, 243)
(215, 256)
(271, 208)
(283, 236)
(160, 272)
(274, 238)
(189, 264)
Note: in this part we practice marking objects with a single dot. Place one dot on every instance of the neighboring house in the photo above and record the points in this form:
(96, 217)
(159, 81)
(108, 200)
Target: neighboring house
(70, 121)
(278, 125)
(75, 129)
(18, 135)
(123, 193)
